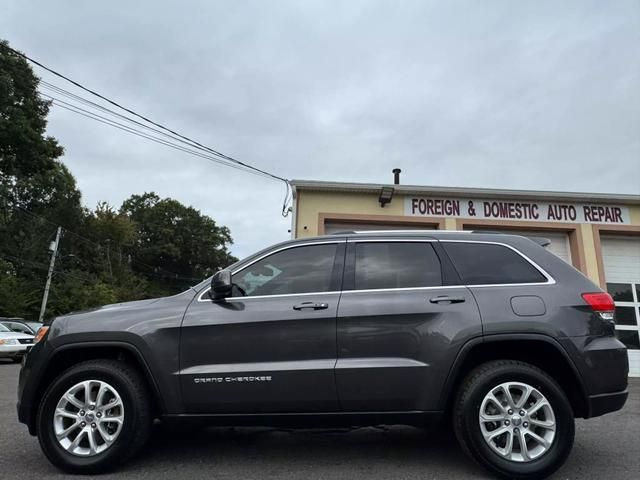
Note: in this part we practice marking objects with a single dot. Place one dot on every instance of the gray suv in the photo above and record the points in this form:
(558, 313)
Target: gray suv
(490, 332)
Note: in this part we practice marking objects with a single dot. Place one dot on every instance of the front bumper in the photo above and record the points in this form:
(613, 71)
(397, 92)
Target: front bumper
(13, 351)
(33, 366)
(606, 403)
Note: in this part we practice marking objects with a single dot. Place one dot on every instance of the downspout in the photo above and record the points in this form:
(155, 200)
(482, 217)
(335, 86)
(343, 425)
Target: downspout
(294, 214)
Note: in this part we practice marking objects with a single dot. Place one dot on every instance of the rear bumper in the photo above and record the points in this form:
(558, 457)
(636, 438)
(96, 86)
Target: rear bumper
(606, 403)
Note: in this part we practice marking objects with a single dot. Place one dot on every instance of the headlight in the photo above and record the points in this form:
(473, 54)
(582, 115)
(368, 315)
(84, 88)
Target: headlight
(9, 341)
(41, 333)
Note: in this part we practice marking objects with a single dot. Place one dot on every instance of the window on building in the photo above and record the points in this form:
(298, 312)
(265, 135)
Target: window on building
(303, 269)
(396, 265)
(627, 299)
(486, 263)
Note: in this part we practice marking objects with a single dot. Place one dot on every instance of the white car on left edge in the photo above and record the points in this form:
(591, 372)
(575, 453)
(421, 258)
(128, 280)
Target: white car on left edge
(14, 345)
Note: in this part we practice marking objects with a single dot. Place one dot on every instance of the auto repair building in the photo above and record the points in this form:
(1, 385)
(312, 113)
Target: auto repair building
(599, 234)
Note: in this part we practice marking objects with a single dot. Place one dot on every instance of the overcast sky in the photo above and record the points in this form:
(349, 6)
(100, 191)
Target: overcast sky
(526, 95)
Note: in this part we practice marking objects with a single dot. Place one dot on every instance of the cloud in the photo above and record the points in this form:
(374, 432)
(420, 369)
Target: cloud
(538, 95)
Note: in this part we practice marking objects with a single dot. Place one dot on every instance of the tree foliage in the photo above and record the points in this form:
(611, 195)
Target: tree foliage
(149, 247)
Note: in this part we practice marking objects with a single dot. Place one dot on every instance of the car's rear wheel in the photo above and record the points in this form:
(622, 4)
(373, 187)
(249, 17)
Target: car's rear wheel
(514, 419)
(94, 416)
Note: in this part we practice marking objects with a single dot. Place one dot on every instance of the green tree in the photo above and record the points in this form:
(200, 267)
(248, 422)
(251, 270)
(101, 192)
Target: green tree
(179, 241)
(24, 148)
(33, 183)
(150, 247)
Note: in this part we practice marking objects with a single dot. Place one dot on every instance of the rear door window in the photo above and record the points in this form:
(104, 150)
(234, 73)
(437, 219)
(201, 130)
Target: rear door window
(396, 265)
(487, 263)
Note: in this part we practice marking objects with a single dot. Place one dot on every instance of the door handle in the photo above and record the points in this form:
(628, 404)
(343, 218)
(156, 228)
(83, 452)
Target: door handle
(311, 305)
(446, 299)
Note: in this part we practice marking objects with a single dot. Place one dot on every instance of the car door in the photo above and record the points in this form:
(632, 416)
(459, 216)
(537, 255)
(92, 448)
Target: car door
(271, 347)
(401, 323)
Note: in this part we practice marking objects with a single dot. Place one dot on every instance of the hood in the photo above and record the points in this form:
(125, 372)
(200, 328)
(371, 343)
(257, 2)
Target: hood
(115, 306)
(121, 317)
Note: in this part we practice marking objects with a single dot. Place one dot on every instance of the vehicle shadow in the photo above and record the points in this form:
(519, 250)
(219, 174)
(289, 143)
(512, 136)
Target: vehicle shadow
(394, 452)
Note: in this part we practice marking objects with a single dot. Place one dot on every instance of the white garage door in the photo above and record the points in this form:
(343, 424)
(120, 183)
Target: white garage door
(621, 258)
(559, 241)
(333, 227)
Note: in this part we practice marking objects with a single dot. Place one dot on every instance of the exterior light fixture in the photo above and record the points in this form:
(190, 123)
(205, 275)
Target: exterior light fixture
(386, 194)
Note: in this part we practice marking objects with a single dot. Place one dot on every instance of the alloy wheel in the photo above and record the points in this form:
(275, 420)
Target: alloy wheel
(517, 422)
(88, 418)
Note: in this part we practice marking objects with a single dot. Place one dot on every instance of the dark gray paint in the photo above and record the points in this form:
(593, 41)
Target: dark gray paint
(400, 325)
(528, 306)
(376, 351)
(260, 335)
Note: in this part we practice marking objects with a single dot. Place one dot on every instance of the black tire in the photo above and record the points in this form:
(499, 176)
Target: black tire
(137, 416)
(467, 427)
(17, 359)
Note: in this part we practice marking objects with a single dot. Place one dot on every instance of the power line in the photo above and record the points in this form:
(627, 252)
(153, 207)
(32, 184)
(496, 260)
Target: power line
(146, 119)
(89, 103)
(86, 113)
(99, 118)
(97, 106)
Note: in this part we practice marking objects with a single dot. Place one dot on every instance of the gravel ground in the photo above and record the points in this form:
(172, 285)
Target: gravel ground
(606, 447)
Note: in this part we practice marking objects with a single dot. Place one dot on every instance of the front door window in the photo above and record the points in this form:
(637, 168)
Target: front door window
(304, 269)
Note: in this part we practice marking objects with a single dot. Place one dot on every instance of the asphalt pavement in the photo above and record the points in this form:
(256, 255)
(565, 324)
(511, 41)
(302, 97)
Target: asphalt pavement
(606, 448)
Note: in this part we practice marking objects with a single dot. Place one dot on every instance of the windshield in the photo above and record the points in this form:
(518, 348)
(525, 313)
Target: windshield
(3, 328)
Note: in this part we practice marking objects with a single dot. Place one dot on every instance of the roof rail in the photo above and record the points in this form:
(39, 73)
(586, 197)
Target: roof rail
(542, 241)
(417, 230)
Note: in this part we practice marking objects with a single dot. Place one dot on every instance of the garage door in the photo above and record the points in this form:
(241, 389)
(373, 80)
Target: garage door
(333, 227)
(559, 241)
(621, 258)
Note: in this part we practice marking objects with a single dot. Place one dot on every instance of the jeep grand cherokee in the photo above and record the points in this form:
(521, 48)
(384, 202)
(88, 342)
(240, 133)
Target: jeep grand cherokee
(490, 332)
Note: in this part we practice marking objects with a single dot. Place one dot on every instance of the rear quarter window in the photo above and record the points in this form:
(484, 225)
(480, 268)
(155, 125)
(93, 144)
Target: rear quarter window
(486, 263)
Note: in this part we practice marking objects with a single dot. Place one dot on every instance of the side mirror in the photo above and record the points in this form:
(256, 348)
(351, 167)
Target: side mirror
(221, 285)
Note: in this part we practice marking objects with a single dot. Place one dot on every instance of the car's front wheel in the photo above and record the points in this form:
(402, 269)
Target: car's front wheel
(94, 416)
(514, 419)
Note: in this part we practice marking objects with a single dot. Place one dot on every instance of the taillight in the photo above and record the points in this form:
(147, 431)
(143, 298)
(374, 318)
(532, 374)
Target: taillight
(601, 303)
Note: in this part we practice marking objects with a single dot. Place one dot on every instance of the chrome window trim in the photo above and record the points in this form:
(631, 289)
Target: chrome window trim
(280, 295)
(272, 252)
(403, 289)
(550, 279)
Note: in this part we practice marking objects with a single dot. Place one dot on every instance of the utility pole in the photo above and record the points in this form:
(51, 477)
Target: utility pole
(54, 254)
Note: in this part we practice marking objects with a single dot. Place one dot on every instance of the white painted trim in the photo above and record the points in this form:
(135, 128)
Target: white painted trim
(431, 190)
